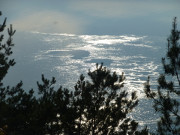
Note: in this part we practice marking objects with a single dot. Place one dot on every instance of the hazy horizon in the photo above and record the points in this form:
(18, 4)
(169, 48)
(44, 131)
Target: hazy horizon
(92, 17)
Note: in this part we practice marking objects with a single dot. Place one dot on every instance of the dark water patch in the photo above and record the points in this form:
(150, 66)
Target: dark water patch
(80, 54)
(58, 53)
(77, 54)
(106, 62)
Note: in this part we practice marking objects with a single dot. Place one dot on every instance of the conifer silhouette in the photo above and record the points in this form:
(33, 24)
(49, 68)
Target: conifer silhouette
(166, 99)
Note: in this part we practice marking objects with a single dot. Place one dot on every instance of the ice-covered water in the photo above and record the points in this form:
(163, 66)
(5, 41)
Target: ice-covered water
(66, 56)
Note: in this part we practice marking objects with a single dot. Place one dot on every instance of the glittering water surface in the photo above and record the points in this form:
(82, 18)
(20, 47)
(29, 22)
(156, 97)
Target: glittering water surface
(66, 56)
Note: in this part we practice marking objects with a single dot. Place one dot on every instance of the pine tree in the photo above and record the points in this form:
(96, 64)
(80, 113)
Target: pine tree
(16, 105)
(20, 109)
(98, 106)
(46, 113)
(102, 105)
(166, 101)
(5, 50)
(65, 111)
(5, 64)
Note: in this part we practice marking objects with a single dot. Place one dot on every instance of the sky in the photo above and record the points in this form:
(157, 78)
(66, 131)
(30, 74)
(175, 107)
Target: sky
(99, 17)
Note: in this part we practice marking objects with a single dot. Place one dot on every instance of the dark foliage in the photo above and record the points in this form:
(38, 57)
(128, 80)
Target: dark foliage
(166, 101)
(102, 106)
(98, 106)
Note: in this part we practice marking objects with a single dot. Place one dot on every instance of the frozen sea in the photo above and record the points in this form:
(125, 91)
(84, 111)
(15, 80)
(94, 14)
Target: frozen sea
(66, 56)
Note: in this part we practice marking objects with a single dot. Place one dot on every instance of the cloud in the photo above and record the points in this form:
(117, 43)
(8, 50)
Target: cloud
(115, 8)
(49, 21)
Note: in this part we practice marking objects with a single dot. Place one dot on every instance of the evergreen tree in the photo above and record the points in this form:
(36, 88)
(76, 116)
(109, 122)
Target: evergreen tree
(66, 113)
(20, 109)
(5, 50)
(99, 106)
(5, 64)
(166, 99)
(46, 113)
(16, 105)
(102, 105)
